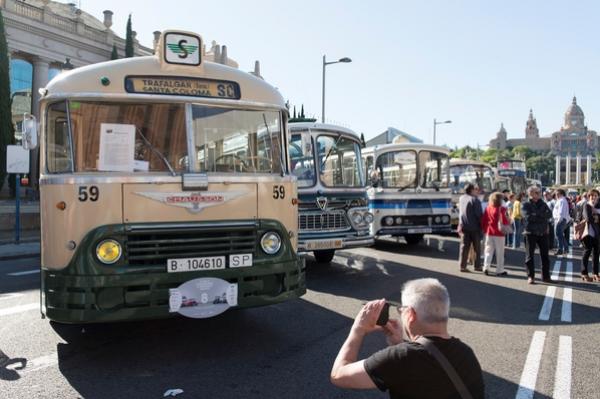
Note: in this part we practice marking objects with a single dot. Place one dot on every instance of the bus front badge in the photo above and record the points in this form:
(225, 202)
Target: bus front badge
(322, 203)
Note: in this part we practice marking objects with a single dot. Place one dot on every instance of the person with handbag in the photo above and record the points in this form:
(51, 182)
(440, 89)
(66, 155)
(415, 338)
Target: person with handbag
(588, 232)
(495, 225)
(422, 360)
(561, 215)
(535, 214)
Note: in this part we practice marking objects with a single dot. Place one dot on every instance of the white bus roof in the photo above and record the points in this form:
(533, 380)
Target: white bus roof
(108, 80)
(406, 146)
(296, 126)
(461, 161)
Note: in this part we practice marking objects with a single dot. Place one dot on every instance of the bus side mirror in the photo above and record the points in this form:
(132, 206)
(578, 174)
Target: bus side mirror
(29, 132)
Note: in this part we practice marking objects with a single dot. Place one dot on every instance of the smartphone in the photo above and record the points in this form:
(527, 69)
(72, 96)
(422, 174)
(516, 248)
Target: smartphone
(384, 316)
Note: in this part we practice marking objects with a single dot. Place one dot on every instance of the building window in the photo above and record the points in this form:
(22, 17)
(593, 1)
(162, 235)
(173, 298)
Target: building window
(21, 76)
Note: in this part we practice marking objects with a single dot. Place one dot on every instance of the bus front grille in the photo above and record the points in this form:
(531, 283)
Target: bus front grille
(323, 221)
(156, 245)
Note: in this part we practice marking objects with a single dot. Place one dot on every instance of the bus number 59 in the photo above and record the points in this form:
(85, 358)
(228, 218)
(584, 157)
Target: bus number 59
(92, 193)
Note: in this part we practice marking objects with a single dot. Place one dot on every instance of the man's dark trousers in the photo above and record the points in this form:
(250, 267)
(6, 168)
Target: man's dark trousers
(467, 239)
(542, 242)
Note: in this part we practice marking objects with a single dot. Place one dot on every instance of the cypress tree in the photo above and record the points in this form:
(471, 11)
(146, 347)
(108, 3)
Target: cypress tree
(129, 39)
(302, 112)
(114, 55)
(6, 127)
(296, 115)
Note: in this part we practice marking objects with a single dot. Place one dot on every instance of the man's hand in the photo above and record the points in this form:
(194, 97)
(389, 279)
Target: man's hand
(366, 319)
(393, 332)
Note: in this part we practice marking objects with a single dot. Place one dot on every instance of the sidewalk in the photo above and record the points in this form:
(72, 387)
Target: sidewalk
(28, 247)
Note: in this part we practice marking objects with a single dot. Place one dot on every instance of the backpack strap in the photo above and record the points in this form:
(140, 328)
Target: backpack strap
(443, 361)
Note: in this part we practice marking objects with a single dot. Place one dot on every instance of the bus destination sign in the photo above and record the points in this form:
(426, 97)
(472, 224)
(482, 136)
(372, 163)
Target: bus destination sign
(182, 86)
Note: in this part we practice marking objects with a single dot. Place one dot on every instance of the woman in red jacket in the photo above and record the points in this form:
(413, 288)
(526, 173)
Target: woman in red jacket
(493, 216)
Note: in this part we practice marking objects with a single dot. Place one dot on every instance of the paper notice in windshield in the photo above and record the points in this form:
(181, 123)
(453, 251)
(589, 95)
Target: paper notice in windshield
(117, 144)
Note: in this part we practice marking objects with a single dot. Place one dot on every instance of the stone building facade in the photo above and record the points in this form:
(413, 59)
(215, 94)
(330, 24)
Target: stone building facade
(574, 147)
(532, 137)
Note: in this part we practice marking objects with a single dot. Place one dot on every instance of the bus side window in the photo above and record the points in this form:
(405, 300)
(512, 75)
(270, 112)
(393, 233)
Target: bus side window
(58, 147)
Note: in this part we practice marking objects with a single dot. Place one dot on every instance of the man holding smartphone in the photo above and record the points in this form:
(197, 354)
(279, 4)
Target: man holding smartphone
(410, 368)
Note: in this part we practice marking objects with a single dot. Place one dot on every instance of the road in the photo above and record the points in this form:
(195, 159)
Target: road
(539, 341)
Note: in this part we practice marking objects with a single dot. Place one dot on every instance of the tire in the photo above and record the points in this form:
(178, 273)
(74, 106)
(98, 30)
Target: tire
(324, 256)
(413, 239)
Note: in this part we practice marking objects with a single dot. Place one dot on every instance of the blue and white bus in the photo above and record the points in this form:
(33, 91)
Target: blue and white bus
(410, 195)
(333, 212)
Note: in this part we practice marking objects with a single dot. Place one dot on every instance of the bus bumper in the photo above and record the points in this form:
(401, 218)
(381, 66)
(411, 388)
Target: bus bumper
(94, 299)
(403, 231)
(308, 244)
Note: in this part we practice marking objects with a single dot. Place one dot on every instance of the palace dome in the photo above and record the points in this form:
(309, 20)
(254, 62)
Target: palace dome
(574, 117)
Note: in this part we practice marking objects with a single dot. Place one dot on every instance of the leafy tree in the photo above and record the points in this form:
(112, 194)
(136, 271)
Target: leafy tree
(7, 135)
(114, 55)
(129, 39)
(522, 152)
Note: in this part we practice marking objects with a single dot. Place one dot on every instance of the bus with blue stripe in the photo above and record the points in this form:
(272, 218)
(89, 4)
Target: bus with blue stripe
(410, 194)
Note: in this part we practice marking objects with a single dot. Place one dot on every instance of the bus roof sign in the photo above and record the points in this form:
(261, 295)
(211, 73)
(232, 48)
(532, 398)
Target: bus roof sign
(181, 48)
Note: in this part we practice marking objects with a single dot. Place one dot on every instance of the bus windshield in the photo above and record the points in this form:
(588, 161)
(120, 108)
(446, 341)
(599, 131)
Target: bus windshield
(481, 175)
(152, 137)
(433, 169)
(339, 161)
(235, 140)
(303, 164)
(398, 169)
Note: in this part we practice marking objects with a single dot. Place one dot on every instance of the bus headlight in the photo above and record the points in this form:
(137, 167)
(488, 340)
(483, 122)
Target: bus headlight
(398, 220)
(270, 243)
(445, 219)
(388, 220)
(437, 220)
(357, 218)
(108, 252)
(368, 218)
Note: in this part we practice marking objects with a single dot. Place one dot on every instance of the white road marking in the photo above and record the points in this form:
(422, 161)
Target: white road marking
(23, 273)
(556, 270)
(19, 309)
(532, 365)
(566, 313)
(38, 363)
(11, 295)
(547, 306)
(562, 378)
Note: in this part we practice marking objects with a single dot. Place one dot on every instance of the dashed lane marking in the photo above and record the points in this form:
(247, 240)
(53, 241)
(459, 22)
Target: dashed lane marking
(532, 366)
(19, 309)
(23, 273)
(547, 306)
(562, 378)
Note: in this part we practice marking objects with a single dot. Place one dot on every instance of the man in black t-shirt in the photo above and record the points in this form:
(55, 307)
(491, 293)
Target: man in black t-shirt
(405, 368)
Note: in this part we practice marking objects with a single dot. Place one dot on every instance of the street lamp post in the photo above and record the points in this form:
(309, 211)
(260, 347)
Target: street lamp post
(435, 123)
(325, 63)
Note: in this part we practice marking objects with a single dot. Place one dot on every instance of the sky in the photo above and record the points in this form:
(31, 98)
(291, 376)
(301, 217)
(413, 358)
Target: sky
(476, 63)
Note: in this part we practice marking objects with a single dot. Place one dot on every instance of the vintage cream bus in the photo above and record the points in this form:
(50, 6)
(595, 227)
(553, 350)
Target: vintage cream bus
(165, 188)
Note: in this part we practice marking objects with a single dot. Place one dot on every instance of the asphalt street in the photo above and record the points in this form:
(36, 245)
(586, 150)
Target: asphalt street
(539, 341)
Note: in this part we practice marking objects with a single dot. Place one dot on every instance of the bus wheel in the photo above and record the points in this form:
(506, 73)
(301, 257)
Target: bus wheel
(413, 239)
(324, 256)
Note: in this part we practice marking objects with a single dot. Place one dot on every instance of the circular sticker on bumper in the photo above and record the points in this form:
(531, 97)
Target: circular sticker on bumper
(203, 297)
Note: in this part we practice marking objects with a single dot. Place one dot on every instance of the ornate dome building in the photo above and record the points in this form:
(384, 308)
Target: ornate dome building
(573, 143)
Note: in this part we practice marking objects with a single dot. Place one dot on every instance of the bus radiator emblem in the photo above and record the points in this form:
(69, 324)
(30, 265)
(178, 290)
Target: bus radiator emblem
(194, 202)
(322, 203)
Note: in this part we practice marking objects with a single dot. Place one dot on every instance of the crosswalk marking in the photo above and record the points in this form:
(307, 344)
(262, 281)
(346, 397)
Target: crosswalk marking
(562, 379)
(556, 270)
(532, 365)
(565, 315)
(547, 306)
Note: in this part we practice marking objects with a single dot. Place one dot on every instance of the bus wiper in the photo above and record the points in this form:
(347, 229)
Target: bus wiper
(339, 137)
(405, 187)
(156, 152)
(272, 147)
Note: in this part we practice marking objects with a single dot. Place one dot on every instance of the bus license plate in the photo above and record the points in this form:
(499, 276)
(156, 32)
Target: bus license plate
(323, 244)
(419, 231)
(195, 264)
